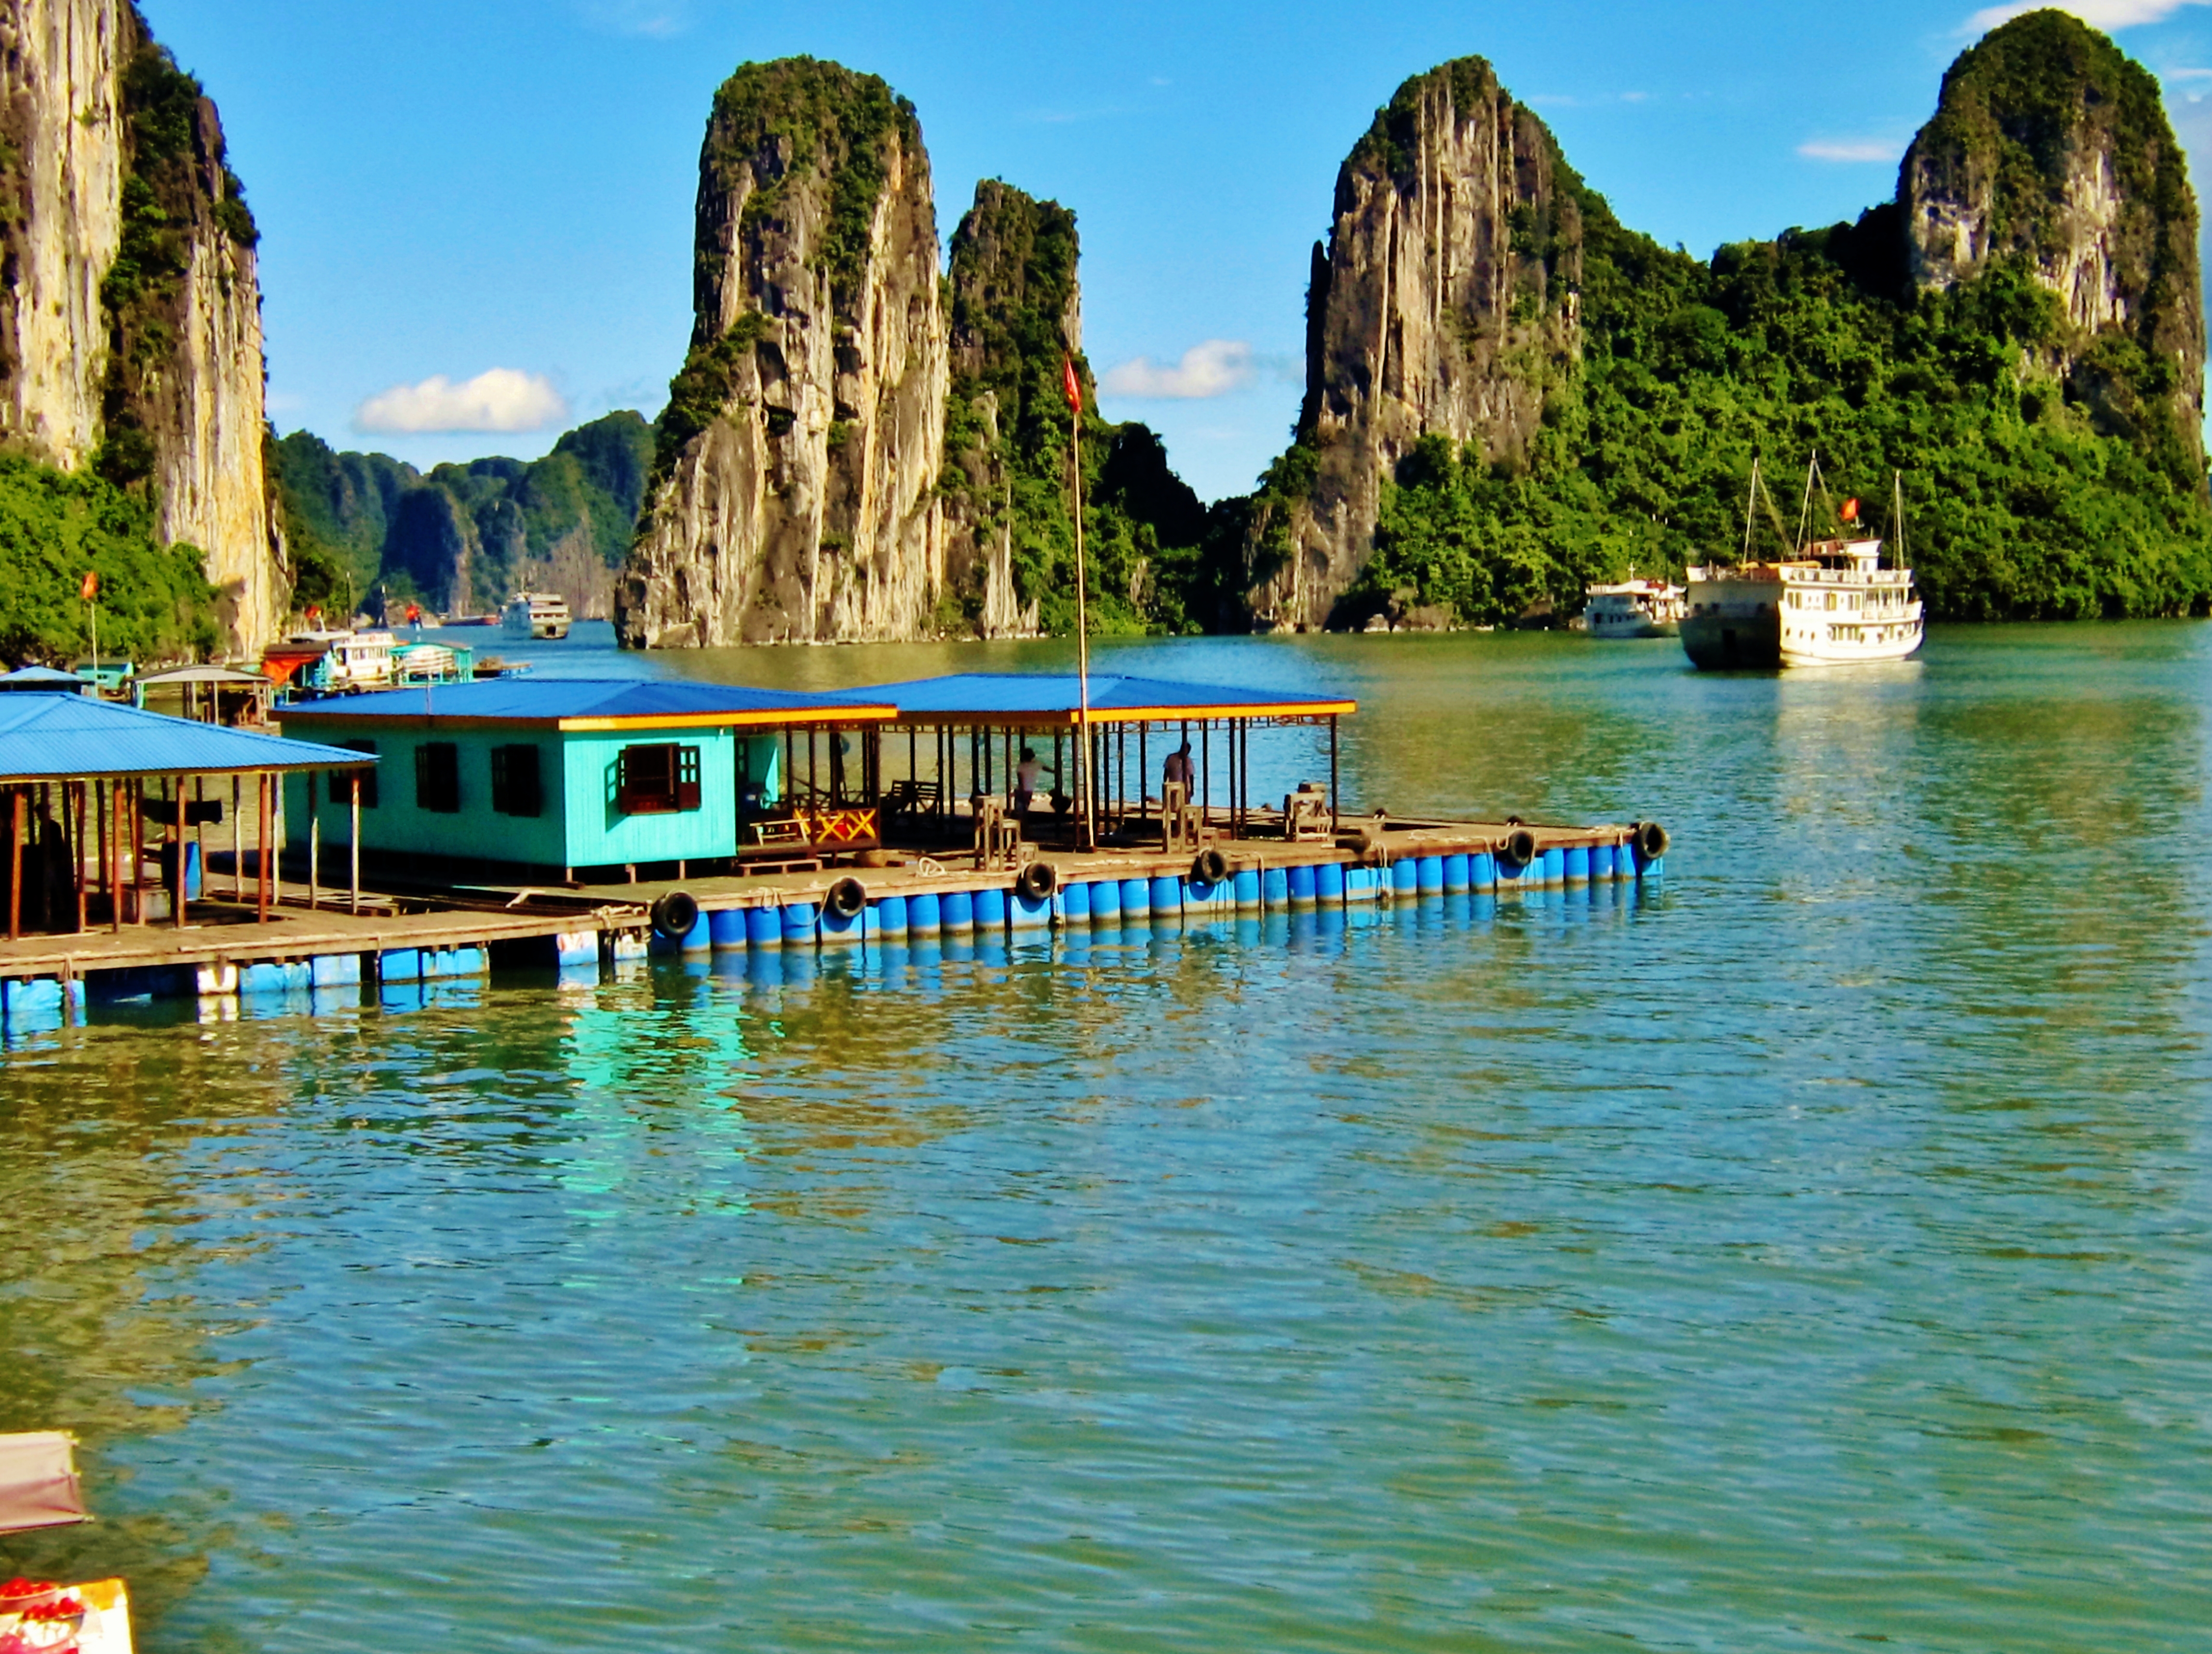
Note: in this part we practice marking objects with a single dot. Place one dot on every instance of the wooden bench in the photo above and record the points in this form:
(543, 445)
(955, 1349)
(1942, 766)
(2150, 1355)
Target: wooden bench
(912, 798)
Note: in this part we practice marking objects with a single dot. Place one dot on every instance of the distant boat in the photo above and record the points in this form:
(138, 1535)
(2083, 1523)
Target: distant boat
(332, 662)
(472, 620)
(538, 615)
(1633, 608)
(1829, 603)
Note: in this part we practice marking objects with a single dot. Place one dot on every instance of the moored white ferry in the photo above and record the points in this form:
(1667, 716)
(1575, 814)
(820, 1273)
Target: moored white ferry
(1633, 608)
(1831, 606)
(1830, 603)
(536, 614)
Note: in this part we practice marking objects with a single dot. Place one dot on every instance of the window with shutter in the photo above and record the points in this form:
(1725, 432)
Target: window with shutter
(438, 777)
(515, 789)
(658, 780)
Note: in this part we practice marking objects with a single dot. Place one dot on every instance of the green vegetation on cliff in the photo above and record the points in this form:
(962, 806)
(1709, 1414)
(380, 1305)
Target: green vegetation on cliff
(464, 535)
(1013, 286)
(154, 601)
(2043, 474)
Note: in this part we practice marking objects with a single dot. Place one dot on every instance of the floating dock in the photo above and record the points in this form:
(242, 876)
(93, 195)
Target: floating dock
(400, 940)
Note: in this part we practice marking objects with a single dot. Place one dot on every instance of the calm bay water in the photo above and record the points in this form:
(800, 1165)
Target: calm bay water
(1813, 1255)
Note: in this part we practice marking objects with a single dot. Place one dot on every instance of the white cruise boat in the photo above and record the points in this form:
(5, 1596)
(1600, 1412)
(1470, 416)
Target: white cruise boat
(1633, 608)
(536, 614)
(1829, 603)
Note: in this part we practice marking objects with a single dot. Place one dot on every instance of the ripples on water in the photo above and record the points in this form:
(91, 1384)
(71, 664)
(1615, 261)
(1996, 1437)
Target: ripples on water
(1813, 1255)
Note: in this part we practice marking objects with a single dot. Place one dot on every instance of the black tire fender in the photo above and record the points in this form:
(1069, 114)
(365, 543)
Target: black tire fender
(847, 897)
(1519, 849)
(675, 914)
(1209, 866)
(1651, 840)
(1037, 880)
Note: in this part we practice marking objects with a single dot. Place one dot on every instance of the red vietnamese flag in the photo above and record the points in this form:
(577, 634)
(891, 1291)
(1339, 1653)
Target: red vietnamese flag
(1850, 511)
(1068, 386)
(90, 589)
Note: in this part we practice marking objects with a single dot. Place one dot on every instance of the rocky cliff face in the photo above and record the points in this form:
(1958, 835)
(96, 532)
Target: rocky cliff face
(2050, 149)
(1017, 315)
(793, 496)
(1444, 301)
(129, 303)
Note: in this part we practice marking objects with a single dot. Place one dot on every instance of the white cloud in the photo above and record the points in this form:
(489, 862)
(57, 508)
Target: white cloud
(2098, 14)
(1851, 150)
(497, 400)
(1213, 368)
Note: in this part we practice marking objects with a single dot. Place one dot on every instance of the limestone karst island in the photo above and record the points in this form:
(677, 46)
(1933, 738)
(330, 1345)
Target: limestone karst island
(1464, 914)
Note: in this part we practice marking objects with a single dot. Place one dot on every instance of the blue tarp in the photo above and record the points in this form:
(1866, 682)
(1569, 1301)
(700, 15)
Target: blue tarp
(555, 699)
(981, 696)
(57, 736)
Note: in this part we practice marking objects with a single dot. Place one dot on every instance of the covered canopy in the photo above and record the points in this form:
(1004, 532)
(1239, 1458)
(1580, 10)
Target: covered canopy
(201, 675)
(590, 703)
(1052, 700)
(64, 737)
(44, 678)
(38, 1482)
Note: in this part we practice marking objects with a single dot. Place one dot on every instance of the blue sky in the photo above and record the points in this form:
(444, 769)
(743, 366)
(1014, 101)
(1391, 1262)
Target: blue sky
(464, 188)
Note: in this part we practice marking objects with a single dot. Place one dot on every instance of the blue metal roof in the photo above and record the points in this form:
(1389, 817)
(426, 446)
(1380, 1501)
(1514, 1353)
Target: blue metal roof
(56, 737)
(45, 679)
(583, 702)
(1052, 697)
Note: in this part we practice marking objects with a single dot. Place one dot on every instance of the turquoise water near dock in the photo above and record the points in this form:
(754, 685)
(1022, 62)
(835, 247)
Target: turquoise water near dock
(1811, 1255)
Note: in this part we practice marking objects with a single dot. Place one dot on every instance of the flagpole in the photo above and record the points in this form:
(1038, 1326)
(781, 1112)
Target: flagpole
(1082, 615)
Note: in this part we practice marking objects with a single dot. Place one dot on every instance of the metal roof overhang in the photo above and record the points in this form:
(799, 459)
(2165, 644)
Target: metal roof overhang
(1048, 701)
(45, 738)
(772, 717)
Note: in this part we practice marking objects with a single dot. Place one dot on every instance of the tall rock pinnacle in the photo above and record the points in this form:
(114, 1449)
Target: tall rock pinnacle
(1444, 301)
(792, 499)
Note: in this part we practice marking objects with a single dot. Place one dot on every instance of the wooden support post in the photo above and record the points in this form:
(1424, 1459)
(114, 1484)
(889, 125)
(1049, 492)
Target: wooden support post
(175, 829)
(14, 863)
(78, 797)
(1205, 769)
(138, 850)
(102, 801)
(315, 845)
(1332, 773)
(355, 840)
(262, 866)
(1143, 772)
(237, 842)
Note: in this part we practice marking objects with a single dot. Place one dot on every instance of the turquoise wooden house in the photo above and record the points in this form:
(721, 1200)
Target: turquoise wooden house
(590, 780)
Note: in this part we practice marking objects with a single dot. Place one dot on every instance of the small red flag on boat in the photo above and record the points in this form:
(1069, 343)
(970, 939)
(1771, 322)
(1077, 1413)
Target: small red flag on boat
(90, 589)
(1850, 511)
(1068, 386)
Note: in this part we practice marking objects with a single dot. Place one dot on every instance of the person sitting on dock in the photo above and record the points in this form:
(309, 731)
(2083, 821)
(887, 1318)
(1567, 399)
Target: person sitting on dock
(1027, 774)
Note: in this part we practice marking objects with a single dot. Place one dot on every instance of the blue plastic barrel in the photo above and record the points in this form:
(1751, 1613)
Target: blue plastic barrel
(1301, 881)
(1028, 912)
(1653, 869)
(726, 927)
(990, 909)
(700, 937)
(1406, 876)
(798, 924)
(1457, 874)
(924, 914)
(1601, 861)
(891, 918)
(1429, 875)
(1578, 863)
(1106, 902)
(1247, 887)
(835, 927)
(1555, 866)
(1275, 889)
(958, 911)
(1328, 882)
(1513, 874)
(1136, 898)
(1166, 895)
(1075, 903)
(763, 927)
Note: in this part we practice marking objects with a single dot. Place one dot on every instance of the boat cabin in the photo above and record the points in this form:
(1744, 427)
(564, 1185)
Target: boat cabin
(592, 781)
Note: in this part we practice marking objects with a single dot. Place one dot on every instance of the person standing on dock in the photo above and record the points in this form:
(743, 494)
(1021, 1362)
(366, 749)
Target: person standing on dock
(1177, 771)
(1027, 775)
